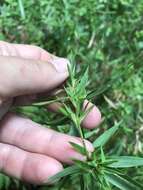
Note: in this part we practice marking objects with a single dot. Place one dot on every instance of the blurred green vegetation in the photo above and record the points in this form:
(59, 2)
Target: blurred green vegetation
(107, 35)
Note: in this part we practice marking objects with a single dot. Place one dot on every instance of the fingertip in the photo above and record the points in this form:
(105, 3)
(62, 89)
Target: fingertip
(44, 168)
(60, 64)
(49, 170)
(89, 146)
(93, 118)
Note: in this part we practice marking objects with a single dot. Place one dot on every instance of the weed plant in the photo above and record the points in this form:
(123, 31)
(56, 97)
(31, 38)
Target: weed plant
(101, 169)
(107, 37)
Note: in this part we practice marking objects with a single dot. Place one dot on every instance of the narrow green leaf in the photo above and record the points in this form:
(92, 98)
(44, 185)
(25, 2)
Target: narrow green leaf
(97, 92)
(83, 80)
(83, 165)
(66, 172)
(78, 148)
(126, 161)
(105, 137)
(102, 155)
(63, 111)
(90, 133)
(132, 181)
(72, 71)
(44, 103)
(120, 182)
(73, 131)
(21, 7)
(82, 183)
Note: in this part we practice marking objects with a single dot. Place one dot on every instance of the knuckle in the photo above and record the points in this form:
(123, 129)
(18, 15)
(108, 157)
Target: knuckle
(37, 48)
(7, 49)
(2, 42)
(4, 51)
(3, 156)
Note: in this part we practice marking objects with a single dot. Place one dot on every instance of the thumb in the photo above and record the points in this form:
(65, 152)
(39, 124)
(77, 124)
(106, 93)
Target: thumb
(20, 76)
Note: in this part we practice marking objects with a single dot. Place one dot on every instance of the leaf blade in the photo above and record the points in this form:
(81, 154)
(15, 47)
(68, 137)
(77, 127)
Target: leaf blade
(65, 172)
(78, 148)
(126, 162)
(104, 138)
(120, 182)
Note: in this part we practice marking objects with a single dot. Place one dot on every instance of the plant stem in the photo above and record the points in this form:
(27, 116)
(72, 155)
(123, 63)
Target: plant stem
(82, 138)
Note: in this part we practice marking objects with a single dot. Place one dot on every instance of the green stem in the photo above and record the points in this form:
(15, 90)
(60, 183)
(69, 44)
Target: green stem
(82, 138)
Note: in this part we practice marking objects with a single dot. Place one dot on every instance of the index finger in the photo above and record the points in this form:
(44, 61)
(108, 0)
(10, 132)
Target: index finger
(24, 51)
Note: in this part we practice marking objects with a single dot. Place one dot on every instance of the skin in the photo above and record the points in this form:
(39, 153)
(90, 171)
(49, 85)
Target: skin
(29, 151)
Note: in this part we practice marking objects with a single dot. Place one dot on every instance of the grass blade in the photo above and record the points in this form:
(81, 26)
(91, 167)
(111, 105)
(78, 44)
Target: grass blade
(66, 172)
(78, 148)
(21, 7)
(120, 182)
(126, 162)
(104, 138)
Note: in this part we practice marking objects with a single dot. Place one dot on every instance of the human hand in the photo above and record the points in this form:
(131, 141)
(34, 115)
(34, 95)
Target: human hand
(28, 151)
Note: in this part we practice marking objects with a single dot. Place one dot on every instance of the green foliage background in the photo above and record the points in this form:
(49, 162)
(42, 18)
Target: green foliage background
(105, 34)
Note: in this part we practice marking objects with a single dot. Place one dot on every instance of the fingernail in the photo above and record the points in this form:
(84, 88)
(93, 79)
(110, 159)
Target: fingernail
(60, 64)
(77, 155)
(87, 143)
(89, 146)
